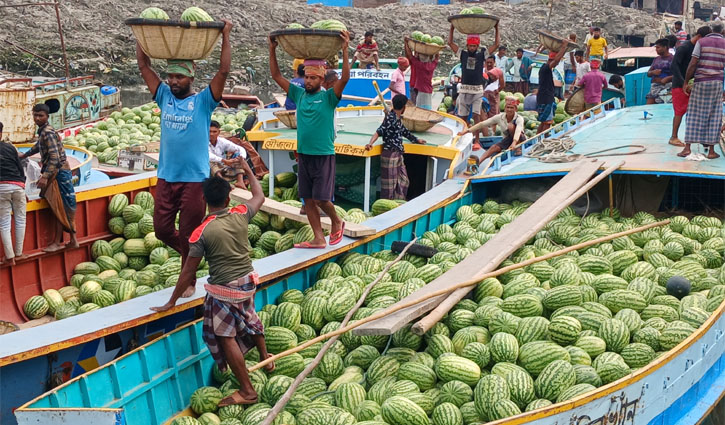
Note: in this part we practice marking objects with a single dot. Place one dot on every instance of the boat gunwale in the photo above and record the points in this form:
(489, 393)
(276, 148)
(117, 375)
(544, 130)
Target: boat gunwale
(266, 280)
(521, 418)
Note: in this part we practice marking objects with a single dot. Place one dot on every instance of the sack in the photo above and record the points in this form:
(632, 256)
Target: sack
(32, 175)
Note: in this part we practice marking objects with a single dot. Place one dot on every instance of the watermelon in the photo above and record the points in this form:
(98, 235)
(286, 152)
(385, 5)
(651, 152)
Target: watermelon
(36, 307)
(132, 213)
(455, 368)
(54, 300)
(145, 200)
(556, 377)
(117, 204)
(205, 399)
(153, 13)
(401, 411)
(195, 14)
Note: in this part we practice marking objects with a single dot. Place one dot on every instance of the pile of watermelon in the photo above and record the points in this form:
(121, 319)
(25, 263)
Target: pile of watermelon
(529, 338)
(475, 10)
(427, 38)
(191, 14)
(325, 24)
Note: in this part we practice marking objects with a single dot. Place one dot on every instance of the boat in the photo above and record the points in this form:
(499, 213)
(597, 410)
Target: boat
(80, 345)
(152, 384)
(73, 104)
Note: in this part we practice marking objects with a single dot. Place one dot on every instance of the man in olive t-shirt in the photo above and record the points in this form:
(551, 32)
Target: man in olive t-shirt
(315, 139)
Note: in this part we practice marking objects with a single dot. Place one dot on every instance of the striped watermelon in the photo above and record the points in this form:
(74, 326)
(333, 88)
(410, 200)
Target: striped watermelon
(456, 393)
(132, 213)
(205, 399)
(54, 299)
(428, 272)
(145, 200)
(88, 290)
(489, 390)
(349, 395)
(564, 330)
(287, 315)
(521, 387)
(556, 377)
(279, 339)
(446, 414)
(401, 411)
(423, 376)
(615, 334)
(367, 410)
(117, 204)
(36, 306)
(504, 347)
(455, 368)
(562, 296)
(439, 344)
(477, 352)
(274, 389)
(380, 368)
(536, 355)
(101, 247)
(125, 291)
(674, 333)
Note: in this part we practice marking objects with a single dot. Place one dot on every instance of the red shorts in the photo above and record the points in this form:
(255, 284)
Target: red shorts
(679, 101)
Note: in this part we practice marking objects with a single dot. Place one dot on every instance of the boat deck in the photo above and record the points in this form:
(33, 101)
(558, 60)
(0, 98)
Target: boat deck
(619, 128)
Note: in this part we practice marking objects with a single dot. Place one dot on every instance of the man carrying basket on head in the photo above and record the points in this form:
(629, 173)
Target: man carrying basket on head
(472, 62)
(316, 139)
(184, 153)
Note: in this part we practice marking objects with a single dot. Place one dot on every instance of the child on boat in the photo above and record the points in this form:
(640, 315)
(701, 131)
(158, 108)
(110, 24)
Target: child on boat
(393, 174)
(231, 325)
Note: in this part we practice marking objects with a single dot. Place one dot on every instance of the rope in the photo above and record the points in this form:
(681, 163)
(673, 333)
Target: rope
(554, 151)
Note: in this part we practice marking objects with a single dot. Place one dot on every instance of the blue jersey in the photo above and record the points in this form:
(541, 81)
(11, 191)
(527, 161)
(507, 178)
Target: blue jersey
(184, 153)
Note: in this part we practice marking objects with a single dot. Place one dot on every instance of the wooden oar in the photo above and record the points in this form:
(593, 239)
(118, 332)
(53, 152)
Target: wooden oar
(310, 367)
(469, 282)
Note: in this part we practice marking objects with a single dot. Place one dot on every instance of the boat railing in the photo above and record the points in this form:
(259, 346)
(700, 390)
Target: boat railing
(53, 85)
(595, 113)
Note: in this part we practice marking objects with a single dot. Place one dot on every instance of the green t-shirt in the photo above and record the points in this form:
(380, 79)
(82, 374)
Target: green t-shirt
(315, 120)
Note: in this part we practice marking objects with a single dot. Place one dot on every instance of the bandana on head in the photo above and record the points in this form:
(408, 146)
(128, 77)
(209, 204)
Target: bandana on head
(595, 64)
(552, 55)
(512, 101)
(473, 39)
(315, 67)
(181, 66)
(403, 62)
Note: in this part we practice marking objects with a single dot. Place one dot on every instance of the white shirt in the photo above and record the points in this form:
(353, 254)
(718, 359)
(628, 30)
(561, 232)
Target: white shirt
(515, 66)
(581, 71)
(501, 62)
(218, 152)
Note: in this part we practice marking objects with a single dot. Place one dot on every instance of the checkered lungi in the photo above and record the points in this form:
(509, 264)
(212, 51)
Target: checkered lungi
(704, 113)
(229, 312)
(393, 175)
(493, 101)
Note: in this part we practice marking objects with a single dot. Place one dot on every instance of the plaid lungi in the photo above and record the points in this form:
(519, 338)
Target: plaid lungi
(493, 101)
(704, 113)
(393, 175)
(229, 312)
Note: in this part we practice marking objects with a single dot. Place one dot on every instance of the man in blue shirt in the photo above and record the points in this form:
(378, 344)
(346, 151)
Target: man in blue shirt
(299, 81)
(184, 152)
(316, 139)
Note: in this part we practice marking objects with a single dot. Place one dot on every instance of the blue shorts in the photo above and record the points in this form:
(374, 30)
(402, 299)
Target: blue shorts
(546, 112)
(65, 186)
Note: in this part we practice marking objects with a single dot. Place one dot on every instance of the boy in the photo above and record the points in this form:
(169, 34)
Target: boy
(367, 53)
(597, 46)
(582, 67)
(393, 175)
(231, 326)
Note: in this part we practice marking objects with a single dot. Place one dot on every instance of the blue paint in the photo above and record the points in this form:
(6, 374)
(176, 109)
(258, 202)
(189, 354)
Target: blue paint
(636, 86)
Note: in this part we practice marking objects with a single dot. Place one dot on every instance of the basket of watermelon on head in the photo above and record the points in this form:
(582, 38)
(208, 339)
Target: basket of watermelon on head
(553, 43)
(191, 38)
(473, 21)
(321, 41)
(425, 44)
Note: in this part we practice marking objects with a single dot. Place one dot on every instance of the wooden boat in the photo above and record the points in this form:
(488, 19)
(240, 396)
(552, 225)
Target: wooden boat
(81, 345)
(73, 105)
(152, 384)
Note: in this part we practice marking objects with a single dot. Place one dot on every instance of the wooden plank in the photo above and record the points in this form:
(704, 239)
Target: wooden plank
(271, 206)
(491, 254)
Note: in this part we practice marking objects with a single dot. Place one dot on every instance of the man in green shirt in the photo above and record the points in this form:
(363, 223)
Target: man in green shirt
(316, 138)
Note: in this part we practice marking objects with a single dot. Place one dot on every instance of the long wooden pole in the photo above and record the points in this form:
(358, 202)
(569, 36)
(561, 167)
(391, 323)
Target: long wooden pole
(469, 282)
(310, 367)
(437, 313)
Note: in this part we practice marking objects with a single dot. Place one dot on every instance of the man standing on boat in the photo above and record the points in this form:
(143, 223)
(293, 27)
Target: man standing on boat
(704, 112)
(397, 79)
(56, 181)
(184, 153)
(231, 326)
(659, 71)
(424, 66)
(594, 82)
(316, 139)
(472, 63)
(680, 99)
(545, 100)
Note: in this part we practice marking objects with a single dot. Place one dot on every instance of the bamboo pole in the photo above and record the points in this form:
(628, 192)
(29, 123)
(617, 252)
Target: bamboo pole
(441, 309)
(310, 367)
(469, 282)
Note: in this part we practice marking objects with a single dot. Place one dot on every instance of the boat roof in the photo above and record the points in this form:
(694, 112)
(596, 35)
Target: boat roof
(632, 52)
(625, 129)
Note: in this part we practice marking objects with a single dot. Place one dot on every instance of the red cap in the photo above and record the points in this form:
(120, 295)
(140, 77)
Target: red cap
(552, 55)
(403, 62)
(473, 39)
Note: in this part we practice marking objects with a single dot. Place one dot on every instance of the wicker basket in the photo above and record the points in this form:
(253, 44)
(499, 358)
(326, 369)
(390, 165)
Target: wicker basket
(419, 120)
(309, 43)
(575, 105)
(288, 118)
(429, 49)
(473, 24)
(553, 42)
(162, 39)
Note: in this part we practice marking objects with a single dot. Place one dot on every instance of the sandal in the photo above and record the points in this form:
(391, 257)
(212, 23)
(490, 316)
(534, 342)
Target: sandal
(307, 245)
(336, 237)
(236, 398)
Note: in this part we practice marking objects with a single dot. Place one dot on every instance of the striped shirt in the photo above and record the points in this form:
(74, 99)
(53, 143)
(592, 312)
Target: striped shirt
(681, 37)
(710, 51)
(52, 154)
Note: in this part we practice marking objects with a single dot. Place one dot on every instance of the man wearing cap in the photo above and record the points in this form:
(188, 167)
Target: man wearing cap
(184, 152)
(397, 79)
(315, 139)
(593, 83)
(545, 101)
(472, 62)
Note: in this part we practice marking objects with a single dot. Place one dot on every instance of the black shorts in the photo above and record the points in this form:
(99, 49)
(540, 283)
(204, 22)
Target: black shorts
(316, 177)
(508, 141)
